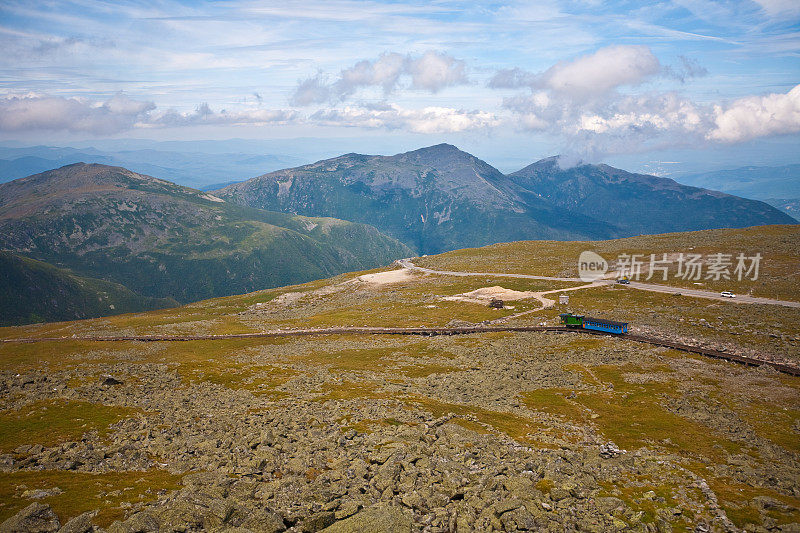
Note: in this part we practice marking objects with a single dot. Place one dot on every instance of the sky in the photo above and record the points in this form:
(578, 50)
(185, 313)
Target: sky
(636, 82)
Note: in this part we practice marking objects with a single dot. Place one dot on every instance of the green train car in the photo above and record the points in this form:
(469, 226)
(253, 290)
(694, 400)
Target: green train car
(571, 321)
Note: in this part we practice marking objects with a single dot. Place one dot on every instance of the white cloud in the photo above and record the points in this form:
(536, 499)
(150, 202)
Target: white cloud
(205, 115)
(512, 78)
(432, 71)
(117, 114)
(757, 116)
(625, 124)
(383, 72)
(435, 71)
(779, 8)
(55, 113)
(594, 75)
(688, 68)
(310, 91)
(425, 120)
(602, 71)
(579, 102)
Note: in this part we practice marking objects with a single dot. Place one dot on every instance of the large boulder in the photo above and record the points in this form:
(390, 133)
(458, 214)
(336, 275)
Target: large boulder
(80, 524)
(35, 518)
(378, 519)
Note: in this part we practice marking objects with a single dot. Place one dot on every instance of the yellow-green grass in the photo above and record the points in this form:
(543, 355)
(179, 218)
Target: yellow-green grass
(82, 491)
(69, 352)
(425, 370)
(632, 414)
(737, 500)
(260, 380)
(556, 402)
(212, 316)
(779, 276)
(21, 357)
(778, 424)
(51, 422)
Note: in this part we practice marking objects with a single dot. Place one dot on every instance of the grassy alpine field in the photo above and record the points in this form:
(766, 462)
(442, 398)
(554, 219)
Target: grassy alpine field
(508, 431)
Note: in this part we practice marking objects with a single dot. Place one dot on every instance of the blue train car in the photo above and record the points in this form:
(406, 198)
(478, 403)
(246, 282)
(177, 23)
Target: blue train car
(608, 326)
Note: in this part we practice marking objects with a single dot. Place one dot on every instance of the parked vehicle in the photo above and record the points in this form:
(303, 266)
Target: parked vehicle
(727, 294)
(624, 281)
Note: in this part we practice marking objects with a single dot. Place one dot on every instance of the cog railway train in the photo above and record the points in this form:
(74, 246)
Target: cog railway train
(596, 324)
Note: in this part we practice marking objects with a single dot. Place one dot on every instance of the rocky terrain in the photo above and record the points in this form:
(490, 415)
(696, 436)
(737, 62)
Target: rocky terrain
(501, 431)
(302, 435)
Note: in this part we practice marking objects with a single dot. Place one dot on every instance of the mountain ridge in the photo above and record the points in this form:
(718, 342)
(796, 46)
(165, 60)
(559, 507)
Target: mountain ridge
(172, 241)
(437, 198)
(35, 291)
(433, 199)
(641, 203)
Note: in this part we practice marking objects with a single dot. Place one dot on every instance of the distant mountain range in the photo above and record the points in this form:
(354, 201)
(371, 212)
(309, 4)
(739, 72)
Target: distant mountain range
(639, 203)
(778, 186)
(440, 198)
(433, 199)
(191, 168)
(751, 182)
(96, 236)
(162, 240)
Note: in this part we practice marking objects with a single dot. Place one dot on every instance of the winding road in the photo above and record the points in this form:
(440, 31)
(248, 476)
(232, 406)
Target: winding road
(652, 287)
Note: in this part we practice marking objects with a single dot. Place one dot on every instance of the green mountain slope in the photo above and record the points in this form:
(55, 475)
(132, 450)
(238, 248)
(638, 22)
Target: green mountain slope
(164, 240)
(433, 199)
(34, 291)
(642, 204)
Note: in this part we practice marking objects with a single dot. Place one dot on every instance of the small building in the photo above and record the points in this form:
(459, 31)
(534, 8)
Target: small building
(563, 299)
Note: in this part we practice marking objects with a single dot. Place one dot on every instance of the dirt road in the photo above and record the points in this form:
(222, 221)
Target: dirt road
(653, 287)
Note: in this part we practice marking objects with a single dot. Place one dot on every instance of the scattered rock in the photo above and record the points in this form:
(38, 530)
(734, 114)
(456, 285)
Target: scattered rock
(610, 450)
(38, 494)
(317, 522)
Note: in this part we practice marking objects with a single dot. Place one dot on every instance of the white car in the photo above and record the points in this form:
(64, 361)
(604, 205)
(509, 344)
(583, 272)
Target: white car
(727, 294)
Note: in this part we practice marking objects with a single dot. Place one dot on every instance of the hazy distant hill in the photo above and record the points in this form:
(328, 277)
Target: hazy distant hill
(433, 199)
(790, 206)
(639, 203)
(196, 169)
(34, 291)
(751, 182)
(164, 240)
